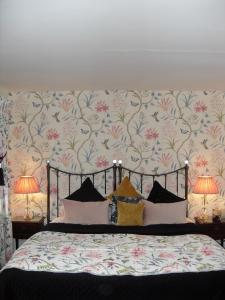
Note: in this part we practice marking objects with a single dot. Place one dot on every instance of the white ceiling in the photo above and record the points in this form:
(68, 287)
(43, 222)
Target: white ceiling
(97, 44)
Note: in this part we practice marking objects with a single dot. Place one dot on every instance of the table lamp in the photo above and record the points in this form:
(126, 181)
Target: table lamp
(27, 185)
(205, 185)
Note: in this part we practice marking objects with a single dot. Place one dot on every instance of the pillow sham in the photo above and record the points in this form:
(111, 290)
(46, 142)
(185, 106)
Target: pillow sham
(130, 214)
(125, 189)
(113, 205)
(81, 212)
(158, 194)
(86, 193)
(164, 213)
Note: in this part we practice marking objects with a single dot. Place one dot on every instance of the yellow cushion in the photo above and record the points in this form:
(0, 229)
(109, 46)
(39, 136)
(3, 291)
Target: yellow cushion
(125, 189)
(130, 213)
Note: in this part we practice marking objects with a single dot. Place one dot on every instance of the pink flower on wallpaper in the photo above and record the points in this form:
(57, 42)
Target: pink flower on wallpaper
(17, 132)
(66, 104)
(101, 162)
(115, 131)
(136, 252)
(67, 250)
(101, 106)
(200, 106)
(52, 134)
(166, 255)
(165, 104)
(207, 251)
(65, 159)
(201, 162)
(165, 159)
(151, 134)
(214, 131)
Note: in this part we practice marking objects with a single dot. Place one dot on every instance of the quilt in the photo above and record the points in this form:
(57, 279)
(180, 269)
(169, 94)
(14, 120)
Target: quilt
(118, 254)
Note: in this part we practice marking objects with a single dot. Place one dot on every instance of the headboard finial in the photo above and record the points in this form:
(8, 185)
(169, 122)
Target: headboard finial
(186, 162)
(120, 162)
(114, 161)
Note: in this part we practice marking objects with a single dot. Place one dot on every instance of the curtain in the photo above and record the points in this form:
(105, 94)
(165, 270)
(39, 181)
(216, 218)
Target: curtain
(5, 220)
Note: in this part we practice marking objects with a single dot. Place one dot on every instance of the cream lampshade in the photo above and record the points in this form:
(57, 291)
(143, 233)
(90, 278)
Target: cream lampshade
(27, 185)
(205, 185)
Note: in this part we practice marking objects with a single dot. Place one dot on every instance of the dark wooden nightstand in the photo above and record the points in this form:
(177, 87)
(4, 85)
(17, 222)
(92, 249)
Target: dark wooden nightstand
(23, 229)
(214, 230)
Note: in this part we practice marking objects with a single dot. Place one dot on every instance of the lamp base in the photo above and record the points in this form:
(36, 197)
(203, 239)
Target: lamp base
(202, 219)
(27, 218)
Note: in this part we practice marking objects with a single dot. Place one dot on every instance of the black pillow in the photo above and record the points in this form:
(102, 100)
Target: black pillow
(159, 194)
(86, 193)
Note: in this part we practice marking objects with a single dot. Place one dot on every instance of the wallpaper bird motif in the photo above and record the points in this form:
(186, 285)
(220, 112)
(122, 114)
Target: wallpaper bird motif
(150, 131)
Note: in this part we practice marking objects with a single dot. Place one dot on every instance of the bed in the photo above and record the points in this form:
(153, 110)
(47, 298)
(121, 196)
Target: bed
(108, 261)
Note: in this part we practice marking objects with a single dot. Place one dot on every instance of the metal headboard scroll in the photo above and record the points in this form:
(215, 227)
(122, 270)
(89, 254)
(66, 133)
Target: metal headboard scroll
(184, 169)
(92, 176)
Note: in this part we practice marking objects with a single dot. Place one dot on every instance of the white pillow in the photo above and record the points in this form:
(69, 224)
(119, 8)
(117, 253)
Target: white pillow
(78, 212)
(164, 213)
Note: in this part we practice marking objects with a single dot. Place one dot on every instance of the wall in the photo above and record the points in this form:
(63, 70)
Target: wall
(150, 131)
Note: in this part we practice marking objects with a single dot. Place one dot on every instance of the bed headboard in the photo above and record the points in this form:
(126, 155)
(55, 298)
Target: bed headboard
(114, 174)
(181, 171)
(50, 169)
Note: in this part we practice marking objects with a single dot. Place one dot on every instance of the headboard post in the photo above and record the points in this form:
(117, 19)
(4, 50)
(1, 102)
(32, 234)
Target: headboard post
(120, 170)
(114, 174)
(48, 192)
(186, 179)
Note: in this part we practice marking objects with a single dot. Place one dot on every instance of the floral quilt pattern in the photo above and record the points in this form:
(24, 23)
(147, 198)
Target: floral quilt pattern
(118, 254)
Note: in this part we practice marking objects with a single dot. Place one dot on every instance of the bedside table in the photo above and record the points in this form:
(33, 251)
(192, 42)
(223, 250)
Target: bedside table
(214, 230)
(23, 229)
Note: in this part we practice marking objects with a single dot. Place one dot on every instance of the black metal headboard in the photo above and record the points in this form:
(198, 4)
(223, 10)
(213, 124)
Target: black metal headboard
(81, 176)
(117, 171)
(177, 173)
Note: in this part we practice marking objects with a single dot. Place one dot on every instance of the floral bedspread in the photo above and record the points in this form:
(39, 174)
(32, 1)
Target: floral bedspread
(118, 254)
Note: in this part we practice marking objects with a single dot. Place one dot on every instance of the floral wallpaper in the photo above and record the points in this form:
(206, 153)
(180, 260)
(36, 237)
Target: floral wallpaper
(150, 131)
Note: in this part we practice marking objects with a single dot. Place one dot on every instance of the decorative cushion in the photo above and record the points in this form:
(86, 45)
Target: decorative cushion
(130, 213)
(159, 194)
(125, 189)
(164, 213)
(78, 212)
(86, 193)
(115, 200)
